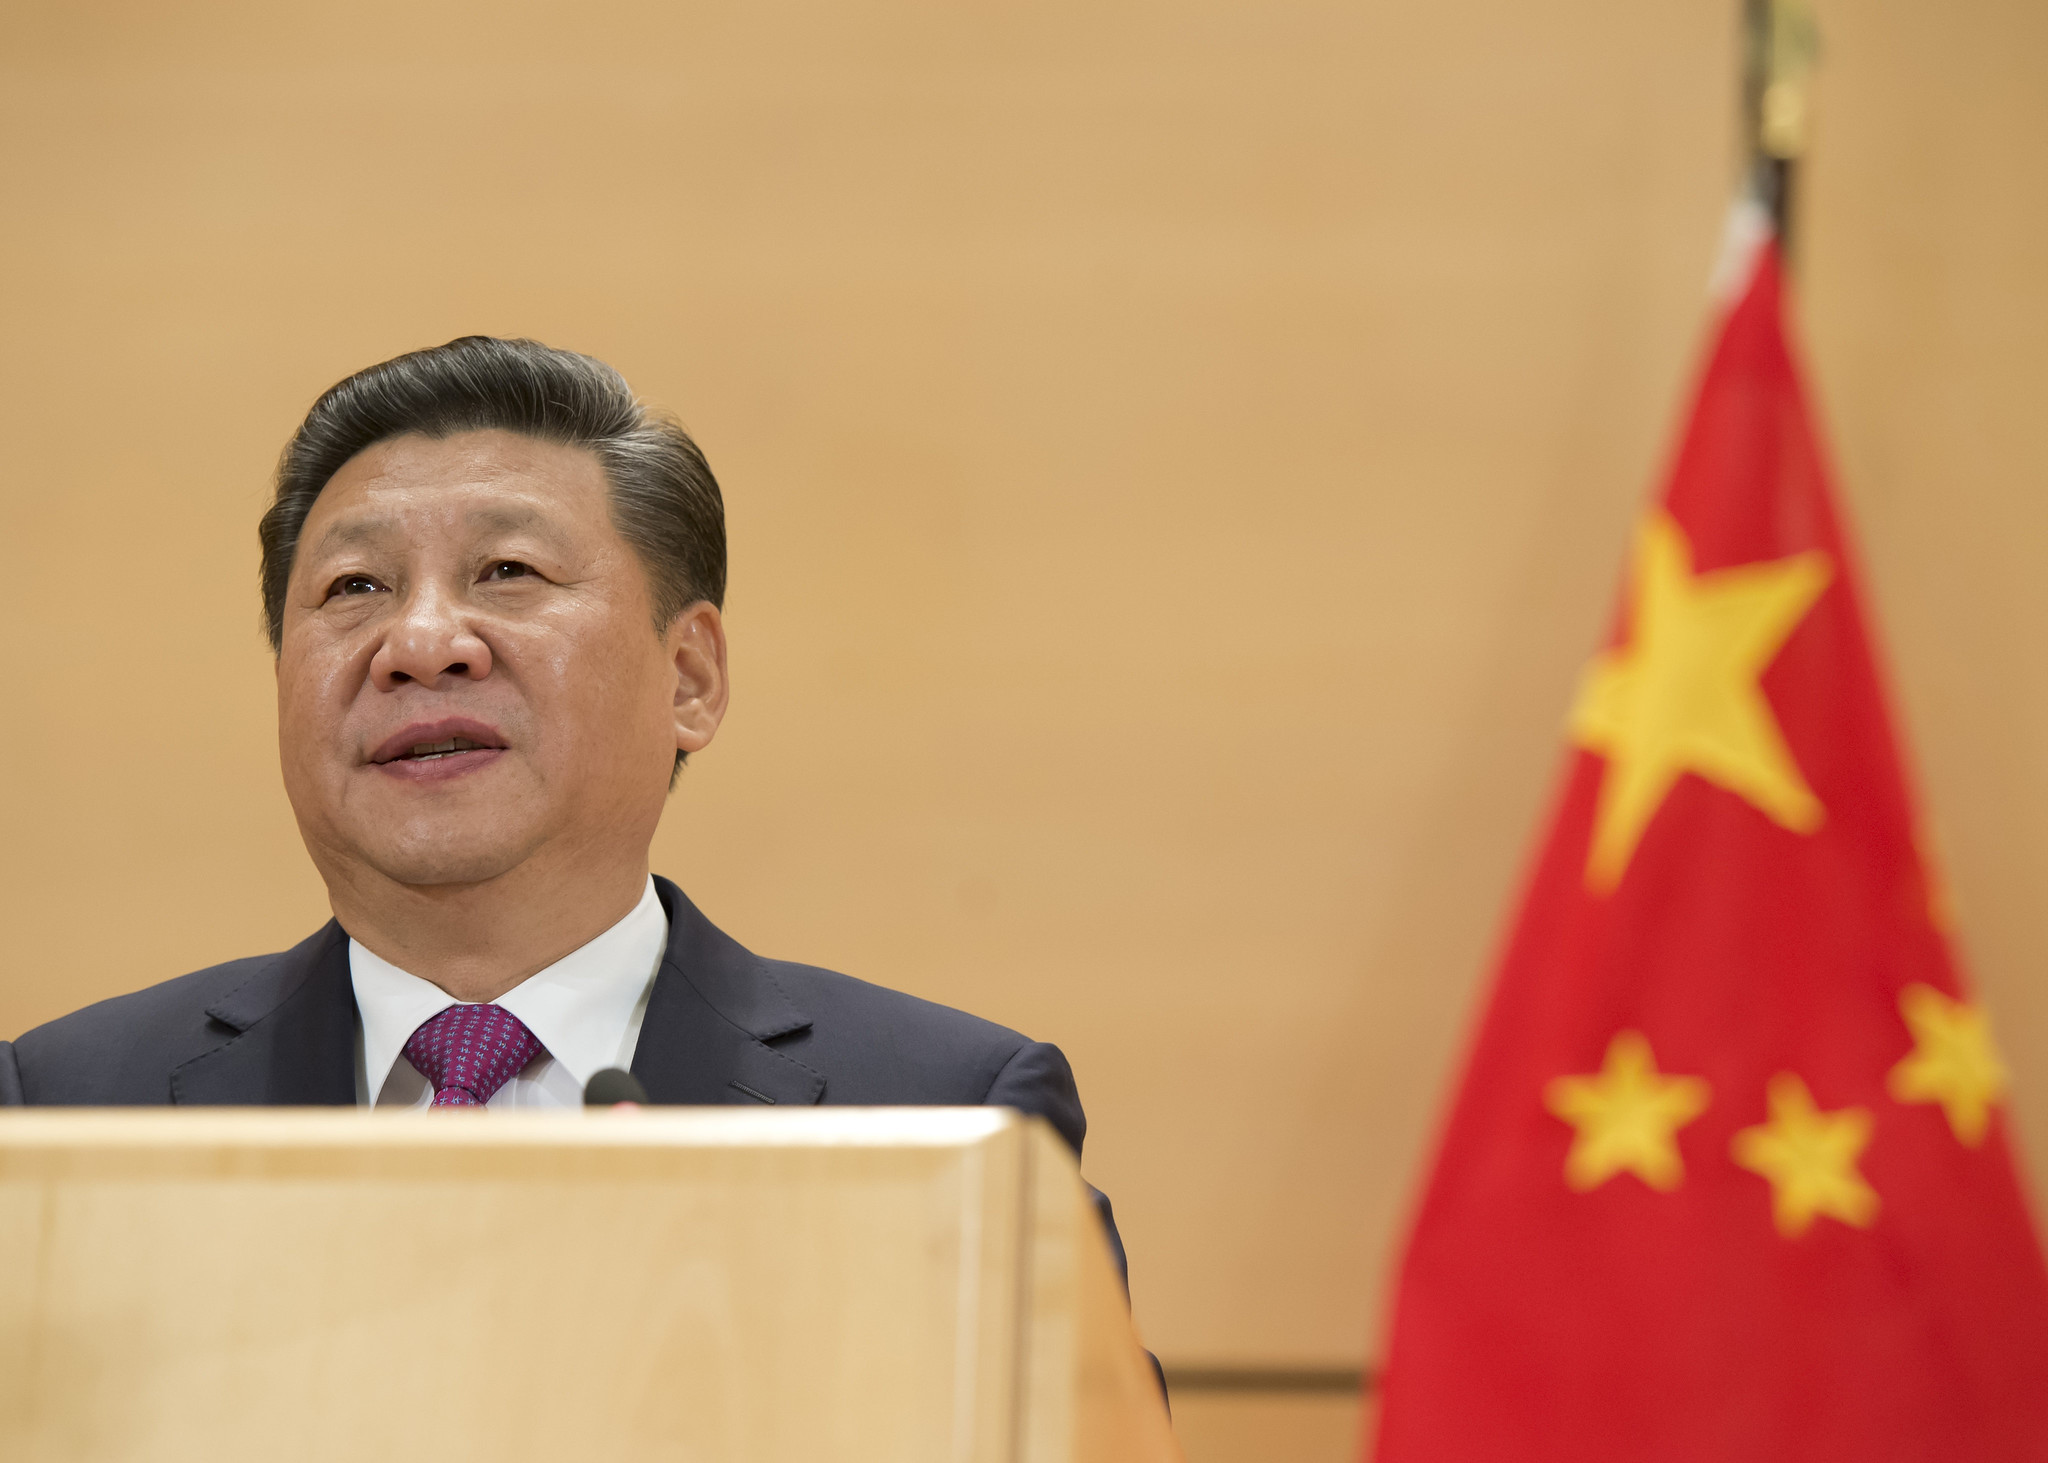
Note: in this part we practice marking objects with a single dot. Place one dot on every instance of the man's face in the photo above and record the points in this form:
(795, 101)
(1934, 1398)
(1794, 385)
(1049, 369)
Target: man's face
(470, 676)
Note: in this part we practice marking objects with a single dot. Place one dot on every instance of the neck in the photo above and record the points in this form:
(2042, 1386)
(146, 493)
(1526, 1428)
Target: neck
(477, 941)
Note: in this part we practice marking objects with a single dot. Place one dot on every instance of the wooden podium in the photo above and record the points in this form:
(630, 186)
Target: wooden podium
(828, 1285)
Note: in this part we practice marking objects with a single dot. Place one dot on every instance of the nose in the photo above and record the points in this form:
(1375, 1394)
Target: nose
(430, 642)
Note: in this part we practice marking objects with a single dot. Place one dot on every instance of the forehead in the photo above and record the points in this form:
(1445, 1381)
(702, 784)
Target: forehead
(458, 485)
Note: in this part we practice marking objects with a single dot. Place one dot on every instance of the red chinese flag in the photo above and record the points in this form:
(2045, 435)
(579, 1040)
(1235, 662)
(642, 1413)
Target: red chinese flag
(1728, 1178)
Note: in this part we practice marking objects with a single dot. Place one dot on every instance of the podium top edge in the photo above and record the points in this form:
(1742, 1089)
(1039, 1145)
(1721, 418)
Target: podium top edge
(32, 1129)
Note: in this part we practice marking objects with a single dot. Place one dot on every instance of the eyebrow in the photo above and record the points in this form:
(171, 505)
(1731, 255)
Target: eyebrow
(347, 533)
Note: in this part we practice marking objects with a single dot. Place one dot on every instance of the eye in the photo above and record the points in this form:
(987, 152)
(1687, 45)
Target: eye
(506, 569)
(353, 584)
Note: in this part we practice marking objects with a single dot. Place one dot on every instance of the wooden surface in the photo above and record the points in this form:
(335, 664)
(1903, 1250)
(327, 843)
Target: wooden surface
(1255, 1427)
(755, 1287)
(1180, 455)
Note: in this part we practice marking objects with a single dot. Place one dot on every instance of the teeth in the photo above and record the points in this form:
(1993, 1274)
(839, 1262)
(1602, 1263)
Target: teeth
(422, 751)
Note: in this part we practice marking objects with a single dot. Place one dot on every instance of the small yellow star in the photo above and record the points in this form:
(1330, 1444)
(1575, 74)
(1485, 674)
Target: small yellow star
(1627, 1117)
(1810, 1158)
(1682, 695)
(1953, 1061)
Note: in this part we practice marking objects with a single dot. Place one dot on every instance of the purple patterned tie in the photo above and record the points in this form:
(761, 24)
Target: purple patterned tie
(469, 1052)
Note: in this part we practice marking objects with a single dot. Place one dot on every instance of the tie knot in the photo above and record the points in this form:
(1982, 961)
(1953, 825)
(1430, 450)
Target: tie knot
(469, 1052)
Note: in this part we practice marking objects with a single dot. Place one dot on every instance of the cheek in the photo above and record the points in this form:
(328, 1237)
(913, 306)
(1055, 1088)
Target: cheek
(313, 688)
(599, 688)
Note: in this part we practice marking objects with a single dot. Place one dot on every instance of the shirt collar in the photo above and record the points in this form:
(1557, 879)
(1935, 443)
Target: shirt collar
(585, 1008)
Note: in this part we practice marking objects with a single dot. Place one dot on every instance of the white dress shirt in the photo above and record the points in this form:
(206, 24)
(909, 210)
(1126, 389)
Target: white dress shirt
(586, 1010)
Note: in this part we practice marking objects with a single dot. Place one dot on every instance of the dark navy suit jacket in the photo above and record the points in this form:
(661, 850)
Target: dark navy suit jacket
(723, 1025)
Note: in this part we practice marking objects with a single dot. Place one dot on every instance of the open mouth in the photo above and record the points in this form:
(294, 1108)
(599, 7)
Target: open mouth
(453, 743)
(430, 751)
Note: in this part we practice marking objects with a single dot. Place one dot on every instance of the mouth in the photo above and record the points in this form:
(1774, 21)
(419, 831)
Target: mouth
(433, 751)
(441, 746)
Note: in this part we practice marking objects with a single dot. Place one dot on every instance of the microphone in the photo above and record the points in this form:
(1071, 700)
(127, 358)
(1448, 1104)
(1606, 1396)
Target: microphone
(613, 1086)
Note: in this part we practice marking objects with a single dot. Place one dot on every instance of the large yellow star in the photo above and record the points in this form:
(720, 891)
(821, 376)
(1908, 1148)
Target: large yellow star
(1810, 1158)
(1953, 1061)
(1627, 1116)
(1682, 695)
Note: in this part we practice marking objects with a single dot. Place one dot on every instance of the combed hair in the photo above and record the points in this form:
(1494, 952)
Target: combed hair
(665, 502)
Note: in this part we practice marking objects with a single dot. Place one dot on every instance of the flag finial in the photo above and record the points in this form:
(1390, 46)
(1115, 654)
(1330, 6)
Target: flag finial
(1780, 45)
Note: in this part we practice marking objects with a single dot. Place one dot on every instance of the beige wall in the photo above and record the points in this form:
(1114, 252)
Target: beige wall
(1178, 456)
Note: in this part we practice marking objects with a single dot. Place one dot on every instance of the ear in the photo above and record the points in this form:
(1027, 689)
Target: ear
(696, 647)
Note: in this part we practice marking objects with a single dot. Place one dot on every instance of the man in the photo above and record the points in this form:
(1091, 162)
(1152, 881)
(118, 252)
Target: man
(492, 582)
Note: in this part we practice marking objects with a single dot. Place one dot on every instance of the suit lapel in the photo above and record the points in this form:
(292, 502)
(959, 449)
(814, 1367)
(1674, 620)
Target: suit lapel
(290, 1038)
(290, 1029)
(714, 1008)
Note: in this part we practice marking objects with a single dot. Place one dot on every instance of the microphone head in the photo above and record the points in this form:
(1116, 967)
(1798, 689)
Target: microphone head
(611, 1087)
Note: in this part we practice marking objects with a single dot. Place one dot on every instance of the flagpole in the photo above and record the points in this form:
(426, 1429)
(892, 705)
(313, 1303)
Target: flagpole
(1779, 46)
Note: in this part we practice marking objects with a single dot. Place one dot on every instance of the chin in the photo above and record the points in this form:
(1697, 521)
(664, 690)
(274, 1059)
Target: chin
(444, 858)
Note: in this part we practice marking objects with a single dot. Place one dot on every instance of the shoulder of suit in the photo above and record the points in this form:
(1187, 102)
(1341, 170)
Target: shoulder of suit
(135, 1039)
(829, 999)
(153, 1005)
(884, 1047)
(782, 1000)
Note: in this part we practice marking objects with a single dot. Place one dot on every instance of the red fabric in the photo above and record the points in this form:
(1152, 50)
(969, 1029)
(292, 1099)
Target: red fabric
(1536, 1323)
